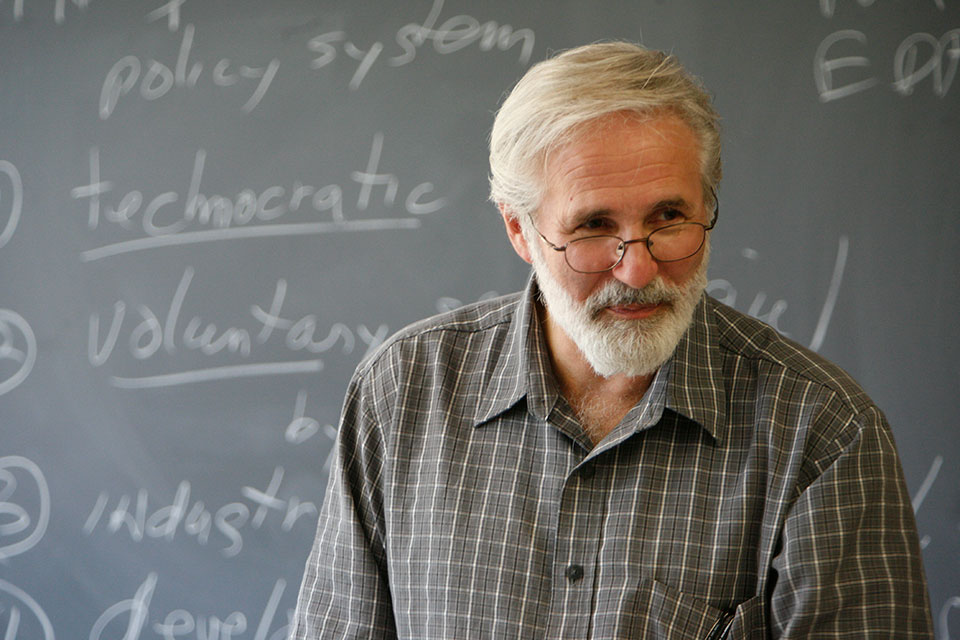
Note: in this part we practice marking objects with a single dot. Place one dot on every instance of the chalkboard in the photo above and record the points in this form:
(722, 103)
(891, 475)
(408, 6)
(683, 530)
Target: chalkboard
(210, 211)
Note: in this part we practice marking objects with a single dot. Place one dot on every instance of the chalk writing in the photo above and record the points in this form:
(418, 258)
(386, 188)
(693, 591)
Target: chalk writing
(25, 618)
(18, 350)
(449, 304)
(181, 623)
(151, 336)
(922, 492)
(11, 204)
(726, 293)
(918, 57)
(170, 10)
(943, 620)
(132, 515)
(302, 427)
(454, 34)
(15, 519)
(231, 218)
(827, 7)
(59, 9)
(908, 75)
(157, 79)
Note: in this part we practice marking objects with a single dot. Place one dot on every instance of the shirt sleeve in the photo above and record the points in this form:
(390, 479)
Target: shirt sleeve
(345, 592)
(850, 563)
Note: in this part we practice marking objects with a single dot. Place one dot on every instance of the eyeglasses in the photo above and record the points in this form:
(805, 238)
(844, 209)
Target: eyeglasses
(596, 254)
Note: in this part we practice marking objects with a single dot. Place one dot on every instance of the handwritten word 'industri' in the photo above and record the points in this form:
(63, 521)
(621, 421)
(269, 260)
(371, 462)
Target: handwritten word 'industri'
(150, 335)
(135, 612)
(156, 79)
(195, 519)
(454, 34)
(11, 201)
(920, 56)
(248, 214)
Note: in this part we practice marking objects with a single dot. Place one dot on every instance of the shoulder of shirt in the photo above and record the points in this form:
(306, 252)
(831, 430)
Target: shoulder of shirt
(471, 318)
(747, 337)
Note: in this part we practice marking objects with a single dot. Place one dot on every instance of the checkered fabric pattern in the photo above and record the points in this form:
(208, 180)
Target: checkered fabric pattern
(755, 488)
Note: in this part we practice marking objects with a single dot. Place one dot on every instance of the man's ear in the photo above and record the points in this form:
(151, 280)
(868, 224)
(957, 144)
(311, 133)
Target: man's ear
(515, 232)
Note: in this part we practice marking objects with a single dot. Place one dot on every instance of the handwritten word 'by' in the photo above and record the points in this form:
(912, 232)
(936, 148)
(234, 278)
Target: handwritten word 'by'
(248, 214)
(156, 79)
(181, 623)
(150, 335)
(454, 34)
(227, 522)
(919, 56)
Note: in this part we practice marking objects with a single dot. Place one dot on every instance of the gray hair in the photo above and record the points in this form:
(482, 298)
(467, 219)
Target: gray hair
(558, 97)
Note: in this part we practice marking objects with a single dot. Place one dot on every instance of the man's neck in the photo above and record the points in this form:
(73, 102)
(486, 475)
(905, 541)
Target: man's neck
(600, 402)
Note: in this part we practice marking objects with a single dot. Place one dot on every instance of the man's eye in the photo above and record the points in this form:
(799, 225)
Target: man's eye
(596, 224)
(669, 215)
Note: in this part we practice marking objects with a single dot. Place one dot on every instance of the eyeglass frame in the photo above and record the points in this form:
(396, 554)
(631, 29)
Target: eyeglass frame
(645, 240)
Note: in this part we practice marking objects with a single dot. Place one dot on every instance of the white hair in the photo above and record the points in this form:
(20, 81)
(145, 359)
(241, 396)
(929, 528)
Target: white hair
(560, 97)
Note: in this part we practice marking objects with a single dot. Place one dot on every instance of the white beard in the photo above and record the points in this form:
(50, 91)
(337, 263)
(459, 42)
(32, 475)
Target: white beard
(636, 347)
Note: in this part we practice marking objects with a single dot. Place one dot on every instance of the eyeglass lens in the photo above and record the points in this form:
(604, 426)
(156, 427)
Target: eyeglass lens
(601, 253)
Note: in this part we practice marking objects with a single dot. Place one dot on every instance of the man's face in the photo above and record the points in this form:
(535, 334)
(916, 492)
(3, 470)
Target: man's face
(626, 178)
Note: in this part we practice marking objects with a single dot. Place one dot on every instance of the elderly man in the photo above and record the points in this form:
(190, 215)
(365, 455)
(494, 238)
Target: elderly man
(610, 453)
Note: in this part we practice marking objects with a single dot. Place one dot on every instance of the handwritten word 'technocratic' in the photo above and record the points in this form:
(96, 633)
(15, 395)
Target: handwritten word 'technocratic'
(24, 514)
(249, 213)
(151, 336)
(183, 516)
(18, 350)
(135, 612)
(454, 34)
(11, 201)
(155, 79)
(918, 57)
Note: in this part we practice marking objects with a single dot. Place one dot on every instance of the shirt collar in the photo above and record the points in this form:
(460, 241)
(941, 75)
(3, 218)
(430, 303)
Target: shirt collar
(696, 387)
(523, 370)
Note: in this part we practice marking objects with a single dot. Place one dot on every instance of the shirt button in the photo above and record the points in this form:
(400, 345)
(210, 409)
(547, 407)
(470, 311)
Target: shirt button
(574, 572)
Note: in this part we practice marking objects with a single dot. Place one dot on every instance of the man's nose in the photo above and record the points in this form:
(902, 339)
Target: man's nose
(637, 267)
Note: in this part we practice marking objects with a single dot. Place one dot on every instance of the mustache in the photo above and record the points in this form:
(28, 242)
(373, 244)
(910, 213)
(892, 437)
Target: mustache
(616, 293)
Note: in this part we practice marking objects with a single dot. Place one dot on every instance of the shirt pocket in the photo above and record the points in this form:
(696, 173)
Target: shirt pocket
(748, 621)
(660, 612)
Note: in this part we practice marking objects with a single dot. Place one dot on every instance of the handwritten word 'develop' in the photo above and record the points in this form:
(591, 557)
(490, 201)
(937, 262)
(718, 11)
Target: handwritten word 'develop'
(170, 219)
(133, 515)
(132, 616)
(154, 79)
(150, 336)
(453, 34)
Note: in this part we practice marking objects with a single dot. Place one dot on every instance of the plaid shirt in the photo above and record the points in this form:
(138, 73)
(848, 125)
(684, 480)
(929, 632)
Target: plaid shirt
(755, 488)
